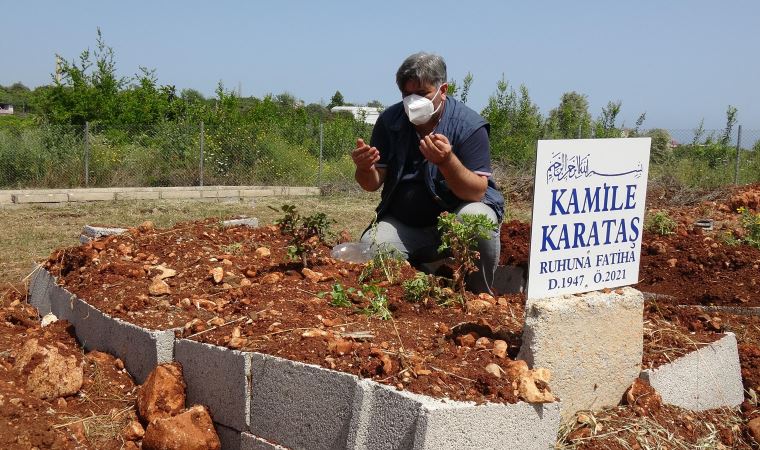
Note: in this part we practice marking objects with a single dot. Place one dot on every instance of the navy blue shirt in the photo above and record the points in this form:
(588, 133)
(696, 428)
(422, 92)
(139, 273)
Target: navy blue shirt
(412, 202)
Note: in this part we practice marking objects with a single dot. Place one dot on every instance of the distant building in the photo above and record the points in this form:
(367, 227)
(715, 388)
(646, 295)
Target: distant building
(6, 109)
(368, 113)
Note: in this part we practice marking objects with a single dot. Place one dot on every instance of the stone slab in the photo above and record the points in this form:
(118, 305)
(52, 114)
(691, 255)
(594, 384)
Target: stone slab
(219, 378)
(84, 196)
(6, 198)
(60, 197)
(400, 419)
(221, 193)
(252, 222)
(300, 406)
(245, 193)
(138, 195)
(703, 379)
(180, 195)
(592, 344)
(97, 232)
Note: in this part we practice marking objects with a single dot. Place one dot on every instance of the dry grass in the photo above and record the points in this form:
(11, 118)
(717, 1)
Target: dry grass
(31, 233)
(610, 430)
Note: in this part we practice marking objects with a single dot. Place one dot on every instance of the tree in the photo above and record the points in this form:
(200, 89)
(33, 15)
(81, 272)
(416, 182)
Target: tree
(515, 123)
(192, 96)
(661, 150)
(453, 88)
(571, 118)
(605, 125)
(375, 104)
(466, 83)
(336, 100)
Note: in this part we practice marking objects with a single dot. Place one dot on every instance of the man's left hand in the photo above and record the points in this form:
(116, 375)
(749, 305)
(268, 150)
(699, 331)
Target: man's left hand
(436, 149)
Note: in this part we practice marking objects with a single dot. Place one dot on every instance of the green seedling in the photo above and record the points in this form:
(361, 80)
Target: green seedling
(231, 249)
(305, 233)
(387, 261)
(661, 223)
(460, 236)
(378, 302)
(340, 297)
(751, 223)
(422, 286)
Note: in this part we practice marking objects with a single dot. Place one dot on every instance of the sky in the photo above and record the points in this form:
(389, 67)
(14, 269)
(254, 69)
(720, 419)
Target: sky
(678, 61)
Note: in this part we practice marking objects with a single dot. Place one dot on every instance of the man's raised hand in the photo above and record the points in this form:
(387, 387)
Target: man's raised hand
(364, 156)
(436, 148)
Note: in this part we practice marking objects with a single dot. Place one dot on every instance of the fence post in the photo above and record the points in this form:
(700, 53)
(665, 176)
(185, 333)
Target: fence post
(738, 155)
(200, 178)
(321, 145)
(580, 128)
(87, 154)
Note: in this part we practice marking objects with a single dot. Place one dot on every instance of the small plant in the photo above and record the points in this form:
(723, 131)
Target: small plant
(378, 302)
(751, 223)
(340, 296)
(420, 287)
(460, 236)
(729, 239)
(231, 249)
(305, 233)
(387, 261)
(661, 223)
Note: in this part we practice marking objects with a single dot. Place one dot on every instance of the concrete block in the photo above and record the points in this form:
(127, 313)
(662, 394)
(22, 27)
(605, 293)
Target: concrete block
(180, 195)
(253, 442)
(592, 344)
(87, 196)
(6, 198)
(97, 232)
(252, 222)
(229, 437)
(40, 289)
(738, 310)
(60, 197)
(219, 378)
(703, 379)
(138, 195)
(300, 406)
(221, 193)
(404, 420)
(246, 193)
(140, 349)
(297, 191)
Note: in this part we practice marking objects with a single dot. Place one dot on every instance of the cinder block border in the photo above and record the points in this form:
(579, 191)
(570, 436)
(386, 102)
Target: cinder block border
(140, 349)
(261, 401)
(707, 378)
(390, 418)
(219, 378)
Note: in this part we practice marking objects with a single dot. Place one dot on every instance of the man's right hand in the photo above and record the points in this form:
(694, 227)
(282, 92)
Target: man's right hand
(364, 156)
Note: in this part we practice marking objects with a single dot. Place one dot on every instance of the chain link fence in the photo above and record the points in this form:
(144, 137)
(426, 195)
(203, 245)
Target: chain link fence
(229, 153)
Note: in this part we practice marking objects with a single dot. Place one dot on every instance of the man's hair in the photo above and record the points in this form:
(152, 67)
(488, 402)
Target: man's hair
(425, 68)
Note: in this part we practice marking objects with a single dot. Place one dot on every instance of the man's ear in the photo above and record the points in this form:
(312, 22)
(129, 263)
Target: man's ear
(444, 90)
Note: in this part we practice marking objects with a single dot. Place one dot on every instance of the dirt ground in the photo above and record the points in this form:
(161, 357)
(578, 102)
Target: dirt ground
(226, 290)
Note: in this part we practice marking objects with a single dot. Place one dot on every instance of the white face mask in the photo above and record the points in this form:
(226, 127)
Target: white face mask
(420, 109)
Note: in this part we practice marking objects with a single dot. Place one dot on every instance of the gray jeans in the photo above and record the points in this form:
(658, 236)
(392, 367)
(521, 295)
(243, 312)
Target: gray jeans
(420, 244)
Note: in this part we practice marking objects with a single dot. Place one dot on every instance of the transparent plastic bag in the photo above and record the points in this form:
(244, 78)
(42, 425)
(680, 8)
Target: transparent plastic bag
(353, 252)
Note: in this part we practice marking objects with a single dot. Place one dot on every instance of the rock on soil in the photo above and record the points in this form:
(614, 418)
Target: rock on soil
(643, 397)
(49, 374)
(190, 430)
(163, 393)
